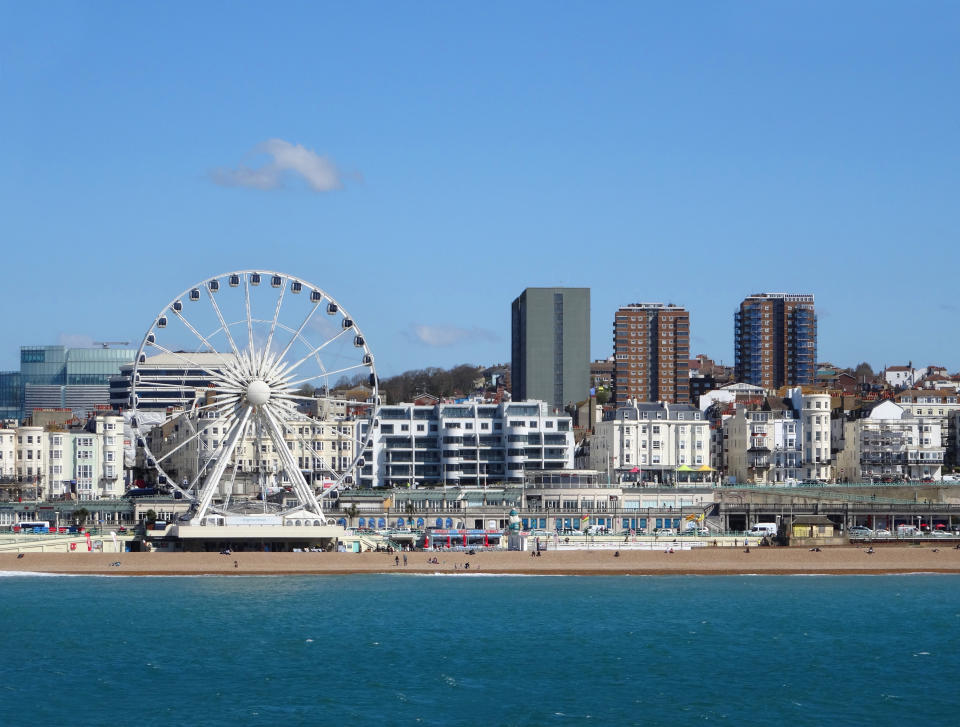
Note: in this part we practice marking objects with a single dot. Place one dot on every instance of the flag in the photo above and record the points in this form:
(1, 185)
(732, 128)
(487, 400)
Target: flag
(635, 469)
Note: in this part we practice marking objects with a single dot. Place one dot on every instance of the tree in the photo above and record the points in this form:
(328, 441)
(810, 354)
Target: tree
(150, 517)
(81, 515)
(863, 372)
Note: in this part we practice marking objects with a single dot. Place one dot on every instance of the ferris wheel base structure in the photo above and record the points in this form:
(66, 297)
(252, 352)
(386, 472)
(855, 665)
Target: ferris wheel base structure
(248, 535)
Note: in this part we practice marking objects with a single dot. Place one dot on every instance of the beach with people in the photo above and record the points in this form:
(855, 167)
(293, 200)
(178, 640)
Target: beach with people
(697, 561)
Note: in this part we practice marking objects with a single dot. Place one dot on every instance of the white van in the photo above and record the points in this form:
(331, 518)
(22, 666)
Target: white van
(764, 529)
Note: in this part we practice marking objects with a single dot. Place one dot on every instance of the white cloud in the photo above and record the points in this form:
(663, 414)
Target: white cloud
(449, 335)
(286, 159)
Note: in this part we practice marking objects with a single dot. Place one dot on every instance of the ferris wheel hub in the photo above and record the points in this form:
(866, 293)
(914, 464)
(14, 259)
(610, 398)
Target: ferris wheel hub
(258, 392)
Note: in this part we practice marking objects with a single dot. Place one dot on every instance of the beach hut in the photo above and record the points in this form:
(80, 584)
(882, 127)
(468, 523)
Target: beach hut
(813, 530)
(812, 526)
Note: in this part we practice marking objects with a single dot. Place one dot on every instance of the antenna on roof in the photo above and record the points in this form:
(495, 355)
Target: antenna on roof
(108, 344)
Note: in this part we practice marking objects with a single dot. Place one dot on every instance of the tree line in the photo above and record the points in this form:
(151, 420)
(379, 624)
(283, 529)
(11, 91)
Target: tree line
(458, 381)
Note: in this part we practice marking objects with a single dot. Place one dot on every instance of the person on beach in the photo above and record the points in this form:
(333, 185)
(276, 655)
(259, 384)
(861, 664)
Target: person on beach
(396, 560)
(404, 560)
(616, 554)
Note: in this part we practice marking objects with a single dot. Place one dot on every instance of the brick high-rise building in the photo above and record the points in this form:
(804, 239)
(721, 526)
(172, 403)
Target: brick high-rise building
(775, 340)
(651, 350)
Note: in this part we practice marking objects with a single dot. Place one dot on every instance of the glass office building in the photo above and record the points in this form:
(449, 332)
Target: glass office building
(57, 376)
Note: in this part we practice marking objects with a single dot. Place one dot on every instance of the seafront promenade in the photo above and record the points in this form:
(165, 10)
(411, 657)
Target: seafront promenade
(701, 561)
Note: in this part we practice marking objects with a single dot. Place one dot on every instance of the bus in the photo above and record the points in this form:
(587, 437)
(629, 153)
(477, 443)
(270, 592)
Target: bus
(29, 526)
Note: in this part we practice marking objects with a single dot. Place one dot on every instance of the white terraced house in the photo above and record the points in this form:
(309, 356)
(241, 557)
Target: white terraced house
(86, 461)
(780, 440)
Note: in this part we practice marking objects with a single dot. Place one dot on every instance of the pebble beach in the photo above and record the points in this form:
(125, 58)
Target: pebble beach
(700, 561)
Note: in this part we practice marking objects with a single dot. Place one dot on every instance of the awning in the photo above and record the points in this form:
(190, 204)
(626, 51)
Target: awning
(705, 468)
(684, 468)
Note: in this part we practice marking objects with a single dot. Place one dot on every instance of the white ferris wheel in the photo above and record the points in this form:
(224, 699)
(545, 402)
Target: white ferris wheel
(231, 396)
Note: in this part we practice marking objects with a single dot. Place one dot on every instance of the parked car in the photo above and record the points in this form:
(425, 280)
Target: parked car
(882, 533)
(860, 531)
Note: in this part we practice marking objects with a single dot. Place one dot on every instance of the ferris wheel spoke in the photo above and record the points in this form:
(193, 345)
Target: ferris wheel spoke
(273, 325)
(190, 362)
(225, 451)
(233, 477)
(298, 397)
(298, 332)
(194, 331)
(223, 323)
(246, 295)
(304, 492)
(180, 387)
(317, 457)
(290, 369)
(226, 421)
(325, 374)
(196, 410)
(198, 432)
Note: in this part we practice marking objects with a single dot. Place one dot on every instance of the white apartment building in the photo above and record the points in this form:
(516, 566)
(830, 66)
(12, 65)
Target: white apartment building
(884, 442)
(653, 442)
(86, 462)
(779, 441)
(467, 443)
(935, 406)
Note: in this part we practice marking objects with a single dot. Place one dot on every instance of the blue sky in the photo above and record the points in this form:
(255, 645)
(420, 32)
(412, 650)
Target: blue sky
(427, 162)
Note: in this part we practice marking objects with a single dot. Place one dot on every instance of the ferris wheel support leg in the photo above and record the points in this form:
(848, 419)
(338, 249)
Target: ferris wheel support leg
(307, 497)
(213, 479)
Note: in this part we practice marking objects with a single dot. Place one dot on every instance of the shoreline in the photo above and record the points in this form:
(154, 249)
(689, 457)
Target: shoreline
(839, 560)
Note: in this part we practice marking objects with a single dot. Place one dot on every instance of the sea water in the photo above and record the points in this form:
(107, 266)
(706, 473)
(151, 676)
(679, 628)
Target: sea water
(474, 649)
